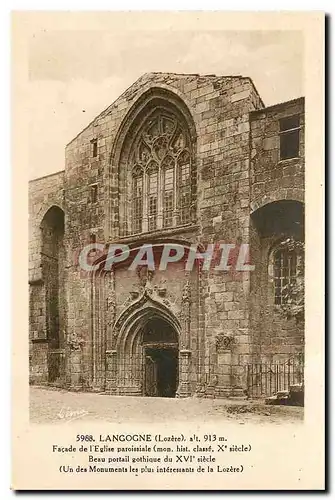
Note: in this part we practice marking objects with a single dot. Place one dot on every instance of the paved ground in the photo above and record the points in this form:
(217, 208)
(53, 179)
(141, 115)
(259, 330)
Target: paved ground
(58, 406)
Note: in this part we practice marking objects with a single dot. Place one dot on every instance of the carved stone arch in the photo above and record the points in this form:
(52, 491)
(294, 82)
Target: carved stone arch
(184, 155)
(149, 93)
(151, 167)
(137, 170)
(296, 194)
(168, 161)
(279, 218)
(129, 357)
(44, 209)
(118, 328)
(139, 307)
(37, 225)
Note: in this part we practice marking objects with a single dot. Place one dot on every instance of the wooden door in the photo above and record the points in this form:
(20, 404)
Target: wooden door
(150, 376)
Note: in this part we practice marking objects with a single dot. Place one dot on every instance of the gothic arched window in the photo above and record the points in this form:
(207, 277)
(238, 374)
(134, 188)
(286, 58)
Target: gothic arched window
(160, 163)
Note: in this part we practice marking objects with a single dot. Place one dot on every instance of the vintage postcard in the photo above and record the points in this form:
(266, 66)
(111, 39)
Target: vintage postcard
(169, 187)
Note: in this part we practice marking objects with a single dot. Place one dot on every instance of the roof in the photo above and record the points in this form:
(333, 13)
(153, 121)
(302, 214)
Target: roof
(48, 175)
(278, 106)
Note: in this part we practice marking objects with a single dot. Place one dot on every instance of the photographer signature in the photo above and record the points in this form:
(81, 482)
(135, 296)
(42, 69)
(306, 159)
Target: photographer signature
(68, 415)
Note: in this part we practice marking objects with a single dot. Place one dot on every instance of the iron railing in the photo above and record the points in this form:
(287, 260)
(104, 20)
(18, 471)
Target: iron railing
(266, 379)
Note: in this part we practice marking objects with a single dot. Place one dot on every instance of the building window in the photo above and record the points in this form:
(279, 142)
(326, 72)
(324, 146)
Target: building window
(168, 200)
(289, 130)
(161, 174)
(152, 197)
(94, 143)
(94, 193)
(184, 194)
(137, 200)
(286, 265)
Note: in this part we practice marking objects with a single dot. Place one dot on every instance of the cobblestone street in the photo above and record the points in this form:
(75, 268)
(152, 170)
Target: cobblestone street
(59, 406)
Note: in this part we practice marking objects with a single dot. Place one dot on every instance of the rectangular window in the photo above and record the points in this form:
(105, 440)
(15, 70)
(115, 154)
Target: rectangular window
(285, 272)
(152, 201)
(94, 193)
(289, 130)
(94, 143)
(138, 204)
(184, 194)
(168, 198)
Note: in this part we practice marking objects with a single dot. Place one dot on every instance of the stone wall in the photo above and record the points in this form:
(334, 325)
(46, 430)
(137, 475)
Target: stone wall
(273, 179)
(44, 277)
(273, 182)
(219, 107)
(235, 154)
(44, 193)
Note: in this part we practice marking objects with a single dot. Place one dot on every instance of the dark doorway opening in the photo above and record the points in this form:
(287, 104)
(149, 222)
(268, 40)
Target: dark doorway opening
(53, 261)
(161, 371)
(160, 350)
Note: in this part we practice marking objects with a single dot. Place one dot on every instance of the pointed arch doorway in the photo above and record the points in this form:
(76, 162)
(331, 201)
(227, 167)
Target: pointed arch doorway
(146, 359)
(160, 357)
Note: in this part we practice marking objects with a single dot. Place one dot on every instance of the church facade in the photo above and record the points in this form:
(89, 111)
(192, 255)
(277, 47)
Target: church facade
(177, 161)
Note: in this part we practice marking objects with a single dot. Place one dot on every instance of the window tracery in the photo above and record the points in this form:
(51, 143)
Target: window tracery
(160, 162)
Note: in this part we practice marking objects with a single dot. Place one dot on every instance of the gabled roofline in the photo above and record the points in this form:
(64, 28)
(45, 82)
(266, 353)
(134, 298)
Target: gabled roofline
(255, 89)
(104, 110)
(48, 175)
(197, 75)
(278, 106)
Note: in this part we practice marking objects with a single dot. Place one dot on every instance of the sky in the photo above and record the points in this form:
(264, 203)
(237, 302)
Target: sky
(74, 75)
